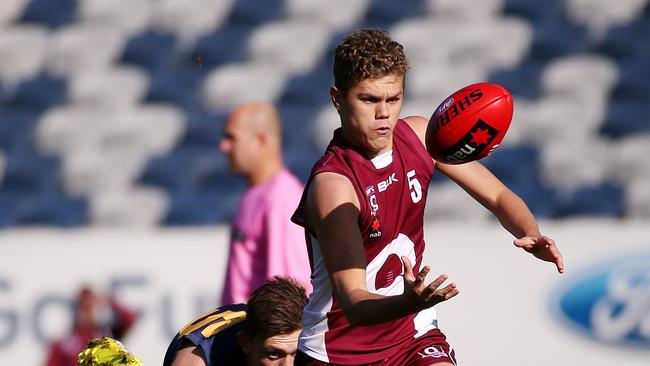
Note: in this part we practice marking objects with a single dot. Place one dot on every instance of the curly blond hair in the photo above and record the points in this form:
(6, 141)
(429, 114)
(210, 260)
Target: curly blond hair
(364, 54)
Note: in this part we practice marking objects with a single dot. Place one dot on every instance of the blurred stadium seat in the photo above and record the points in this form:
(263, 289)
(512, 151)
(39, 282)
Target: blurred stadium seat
(111, 111)
(50, 13)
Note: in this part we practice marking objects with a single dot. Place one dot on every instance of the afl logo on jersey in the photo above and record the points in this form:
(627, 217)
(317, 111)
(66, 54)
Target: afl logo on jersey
(372, 200)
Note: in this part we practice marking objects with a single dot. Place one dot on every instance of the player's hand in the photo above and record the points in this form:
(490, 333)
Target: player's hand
(425, 296)
(543, 248)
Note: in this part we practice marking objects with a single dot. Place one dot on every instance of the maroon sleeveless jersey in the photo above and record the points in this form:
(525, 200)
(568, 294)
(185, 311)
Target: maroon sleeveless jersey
(392, 192)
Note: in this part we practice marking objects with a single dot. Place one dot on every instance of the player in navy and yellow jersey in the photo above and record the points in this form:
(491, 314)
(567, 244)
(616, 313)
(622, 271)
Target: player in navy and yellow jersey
(262, 332)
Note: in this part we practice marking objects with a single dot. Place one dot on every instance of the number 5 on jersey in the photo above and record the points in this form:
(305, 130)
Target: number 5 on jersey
(414, 186)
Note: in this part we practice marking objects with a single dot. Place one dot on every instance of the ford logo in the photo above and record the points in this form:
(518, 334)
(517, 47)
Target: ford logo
(609, 302)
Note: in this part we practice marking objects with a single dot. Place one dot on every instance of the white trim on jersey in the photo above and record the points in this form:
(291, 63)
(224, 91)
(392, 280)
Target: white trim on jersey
(314, 321)
(383, 160)
(401, 246)
(426, 320)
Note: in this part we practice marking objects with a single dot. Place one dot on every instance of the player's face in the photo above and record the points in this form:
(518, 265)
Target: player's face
(369, 112)
(279, 350)
(238, 143)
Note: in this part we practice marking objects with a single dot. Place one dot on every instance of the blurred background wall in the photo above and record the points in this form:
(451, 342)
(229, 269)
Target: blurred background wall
(111, 111)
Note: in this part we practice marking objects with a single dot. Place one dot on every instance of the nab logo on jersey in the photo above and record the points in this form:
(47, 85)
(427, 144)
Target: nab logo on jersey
(375, 227)
(383, 185)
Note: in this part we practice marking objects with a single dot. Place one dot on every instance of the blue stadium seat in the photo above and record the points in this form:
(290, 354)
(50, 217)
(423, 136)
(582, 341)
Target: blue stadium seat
(634, 79)
(297, 122)
(623, 41)
(30, 173)
(151, 50)
(557, 38)
(39, 93)
(605, 200)
(189, 169)
(300, 158)
(626, 117)
(51, 209)
(518, 168)
(523, 81)
(203, 131)
(8, 202)
(16, 128)
(308, 90)
(178, 84)
(202, 207)
(252, 13)
(226, 45)
(533, 10)
(514, 165)
(51, 13)
(383, 13)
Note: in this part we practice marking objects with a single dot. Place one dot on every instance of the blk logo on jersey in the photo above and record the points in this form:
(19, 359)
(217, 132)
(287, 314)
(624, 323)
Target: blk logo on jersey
(473, 143)
(383, 185)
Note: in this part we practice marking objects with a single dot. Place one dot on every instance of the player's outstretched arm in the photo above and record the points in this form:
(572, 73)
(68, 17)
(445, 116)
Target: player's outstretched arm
(332, 213)
(511, 211)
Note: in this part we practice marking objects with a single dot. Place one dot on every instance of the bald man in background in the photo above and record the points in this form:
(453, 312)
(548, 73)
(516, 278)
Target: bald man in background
(264, 242)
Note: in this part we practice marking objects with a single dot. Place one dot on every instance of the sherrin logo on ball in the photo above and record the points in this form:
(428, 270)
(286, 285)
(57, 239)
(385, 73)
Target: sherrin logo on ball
(469, 124)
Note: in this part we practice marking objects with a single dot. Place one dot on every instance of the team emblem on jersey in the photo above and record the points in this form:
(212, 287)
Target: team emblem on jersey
(433, 351)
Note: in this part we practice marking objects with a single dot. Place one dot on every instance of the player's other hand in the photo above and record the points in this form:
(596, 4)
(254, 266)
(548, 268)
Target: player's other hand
(543, 248)
(425, 296)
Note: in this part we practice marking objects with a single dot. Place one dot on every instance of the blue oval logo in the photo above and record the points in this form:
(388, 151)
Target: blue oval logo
(609, 302)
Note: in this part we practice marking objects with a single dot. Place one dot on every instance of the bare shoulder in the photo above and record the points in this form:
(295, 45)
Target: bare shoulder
(327, 192)
(329, 188)
(419, 125)
(189, 356)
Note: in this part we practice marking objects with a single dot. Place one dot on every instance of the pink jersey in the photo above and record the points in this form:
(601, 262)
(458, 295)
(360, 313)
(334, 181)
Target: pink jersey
(392, 192)
(264, 242)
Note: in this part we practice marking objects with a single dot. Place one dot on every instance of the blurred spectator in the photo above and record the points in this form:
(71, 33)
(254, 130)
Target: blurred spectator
(264, 242)
(95, 316)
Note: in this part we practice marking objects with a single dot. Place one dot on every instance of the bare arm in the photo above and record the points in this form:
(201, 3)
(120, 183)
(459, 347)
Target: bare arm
(189, 356)
(511, 211)
(332, 213)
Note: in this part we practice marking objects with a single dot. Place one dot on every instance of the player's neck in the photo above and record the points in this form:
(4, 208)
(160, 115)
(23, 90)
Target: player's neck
(266, 170)
(368, 151)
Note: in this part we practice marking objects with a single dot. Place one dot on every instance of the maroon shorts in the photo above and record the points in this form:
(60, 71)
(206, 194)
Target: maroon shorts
(428, 349)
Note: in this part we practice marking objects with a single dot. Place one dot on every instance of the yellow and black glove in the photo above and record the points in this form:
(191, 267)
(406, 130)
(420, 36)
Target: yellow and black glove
(107, 352)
